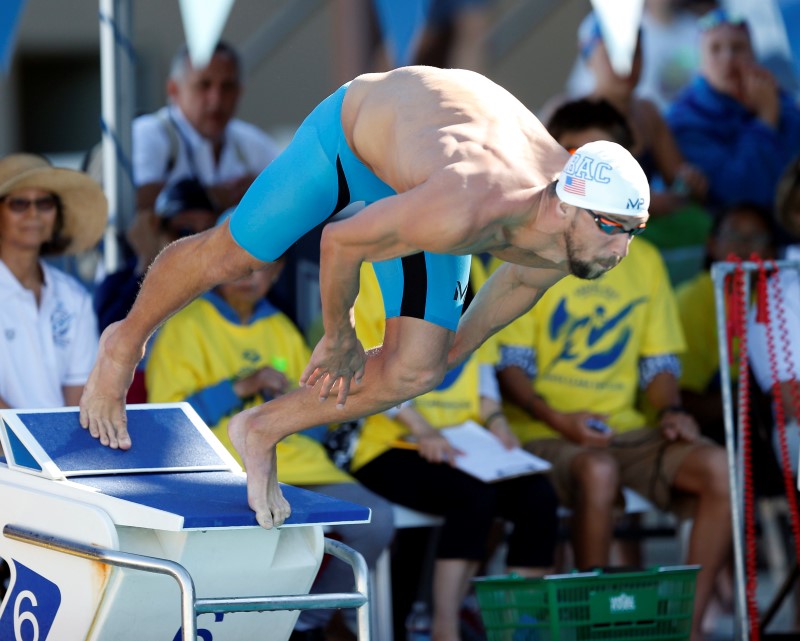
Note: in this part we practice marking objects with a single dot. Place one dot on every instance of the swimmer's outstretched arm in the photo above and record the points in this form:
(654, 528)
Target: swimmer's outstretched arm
(510, 291)
(184, 270)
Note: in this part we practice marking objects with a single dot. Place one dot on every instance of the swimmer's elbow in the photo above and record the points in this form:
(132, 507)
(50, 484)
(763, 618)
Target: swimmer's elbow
(338, 244)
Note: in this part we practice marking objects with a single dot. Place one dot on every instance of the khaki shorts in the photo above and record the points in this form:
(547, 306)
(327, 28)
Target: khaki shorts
(648, 464)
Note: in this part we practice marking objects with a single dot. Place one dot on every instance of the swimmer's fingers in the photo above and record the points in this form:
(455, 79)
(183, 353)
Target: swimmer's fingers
(344, 391)
(310, 376)
(327, 384)
(359, 373)
(107, 423)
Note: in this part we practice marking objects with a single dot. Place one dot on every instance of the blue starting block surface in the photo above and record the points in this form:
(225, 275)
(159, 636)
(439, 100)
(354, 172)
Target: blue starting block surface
(166, 438)
(176, 466)
(219, 499)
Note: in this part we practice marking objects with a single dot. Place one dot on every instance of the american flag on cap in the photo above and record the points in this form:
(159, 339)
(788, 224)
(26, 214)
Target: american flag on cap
(575, 186)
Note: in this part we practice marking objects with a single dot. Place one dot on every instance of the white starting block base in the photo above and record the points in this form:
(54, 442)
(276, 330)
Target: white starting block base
(198, 519)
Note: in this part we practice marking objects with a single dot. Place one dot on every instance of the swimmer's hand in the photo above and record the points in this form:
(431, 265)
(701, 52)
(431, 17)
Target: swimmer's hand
(102, 403)
(459, 351)
(335, 362)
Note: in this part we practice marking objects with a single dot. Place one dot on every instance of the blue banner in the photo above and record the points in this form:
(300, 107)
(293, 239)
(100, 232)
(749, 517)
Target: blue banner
(10, 12)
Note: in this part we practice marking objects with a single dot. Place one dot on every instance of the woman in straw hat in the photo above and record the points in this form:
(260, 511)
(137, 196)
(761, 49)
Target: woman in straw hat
(49, 339)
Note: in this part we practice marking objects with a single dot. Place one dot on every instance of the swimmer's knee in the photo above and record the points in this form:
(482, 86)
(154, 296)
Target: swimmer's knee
(407, 381)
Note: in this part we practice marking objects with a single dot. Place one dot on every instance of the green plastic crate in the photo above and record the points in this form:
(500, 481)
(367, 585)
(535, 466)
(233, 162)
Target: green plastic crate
(648, 605)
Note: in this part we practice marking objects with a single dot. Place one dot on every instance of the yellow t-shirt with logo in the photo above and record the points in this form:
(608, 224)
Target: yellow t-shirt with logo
(589, 336)
(205, 346)
(456, 400)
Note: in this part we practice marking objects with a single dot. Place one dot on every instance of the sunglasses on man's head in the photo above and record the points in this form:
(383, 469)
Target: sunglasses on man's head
(612, 227)
(21, 205)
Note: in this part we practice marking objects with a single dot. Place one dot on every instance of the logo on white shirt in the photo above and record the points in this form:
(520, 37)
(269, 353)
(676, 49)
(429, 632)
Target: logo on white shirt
(61, 323)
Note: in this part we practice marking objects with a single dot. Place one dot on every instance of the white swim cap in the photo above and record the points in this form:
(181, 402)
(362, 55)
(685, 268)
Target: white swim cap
(604, 177)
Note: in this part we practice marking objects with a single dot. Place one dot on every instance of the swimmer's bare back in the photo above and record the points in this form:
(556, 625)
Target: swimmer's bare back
(410, 123)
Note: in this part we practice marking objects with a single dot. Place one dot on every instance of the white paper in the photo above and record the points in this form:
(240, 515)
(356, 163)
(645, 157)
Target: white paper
(486, 458)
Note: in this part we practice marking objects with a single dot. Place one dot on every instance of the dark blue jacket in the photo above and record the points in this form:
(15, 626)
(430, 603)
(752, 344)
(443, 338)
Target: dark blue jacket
(742, 157)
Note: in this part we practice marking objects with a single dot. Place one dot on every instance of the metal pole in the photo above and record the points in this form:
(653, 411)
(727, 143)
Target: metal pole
(735, 457)
(119, 559)
(361, 573)
(191, 606)
(117, 103)
(718, 272)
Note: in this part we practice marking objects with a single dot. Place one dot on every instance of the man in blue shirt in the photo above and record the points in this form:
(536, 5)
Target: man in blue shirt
(734, 122)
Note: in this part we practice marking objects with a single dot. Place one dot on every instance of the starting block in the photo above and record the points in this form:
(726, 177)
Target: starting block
(111, 544)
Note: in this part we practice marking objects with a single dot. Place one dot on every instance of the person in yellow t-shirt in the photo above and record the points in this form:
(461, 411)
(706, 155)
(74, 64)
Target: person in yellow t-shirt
(741, 231)
(231, 349)
(431, 484)
(570, 373)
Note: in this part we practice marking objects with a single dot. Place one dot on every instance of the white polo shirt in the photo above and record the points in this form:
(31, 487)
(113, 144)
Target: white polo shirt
(788, 284)
(44, 348)
(246, 150)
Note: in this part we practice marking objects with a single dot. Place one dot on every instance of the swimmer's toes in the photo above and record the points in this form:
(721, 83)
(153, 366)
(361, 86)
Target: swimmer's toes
(264, 518)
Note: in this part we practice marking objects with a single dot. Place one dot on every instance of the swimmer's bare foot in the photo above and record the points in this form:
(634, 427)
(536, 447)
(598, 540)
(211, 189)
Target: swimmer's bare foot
(257, 450)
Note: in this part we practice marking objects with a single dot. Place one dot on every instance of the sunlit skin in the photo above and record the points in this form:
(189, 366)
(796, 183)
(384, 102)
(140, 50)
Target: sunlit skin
(588, 264)
(208, 97)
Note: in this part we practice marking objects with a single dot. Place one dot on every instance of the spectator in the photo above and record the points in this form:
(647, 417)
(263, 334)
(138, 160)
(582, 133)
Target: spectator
(734, 121)
(50, 329)
(653, 145)
(670, 55)
(182, 209)
(230, 350)
(784, 296)
(586, 120)
(570, 373)
(197, 136)
(431, 484)
(741, 231)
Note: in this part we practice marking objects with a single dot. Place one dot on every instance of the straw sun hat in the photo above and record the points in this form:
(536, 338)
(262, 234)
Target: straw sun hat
(83, 202)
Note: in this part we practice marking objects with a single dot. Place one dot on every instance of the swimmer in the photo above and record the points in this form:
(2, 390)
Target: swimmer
(449, 164)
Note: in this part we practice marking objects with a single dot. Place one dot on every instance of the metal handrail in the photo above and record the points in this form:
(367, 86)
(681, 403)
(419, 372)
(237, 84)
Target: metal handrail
(192, 606)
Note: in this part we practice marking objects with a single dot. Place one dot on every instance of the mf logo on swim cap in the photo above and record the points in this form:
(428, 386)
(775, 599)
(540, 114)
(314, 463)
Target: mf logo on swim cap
(588, 168)
(635, 203)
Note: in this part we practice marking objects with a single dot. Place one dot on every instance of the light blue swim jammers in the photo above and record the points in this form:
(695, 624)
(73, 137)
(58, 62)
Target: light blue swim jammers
(314, 178)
